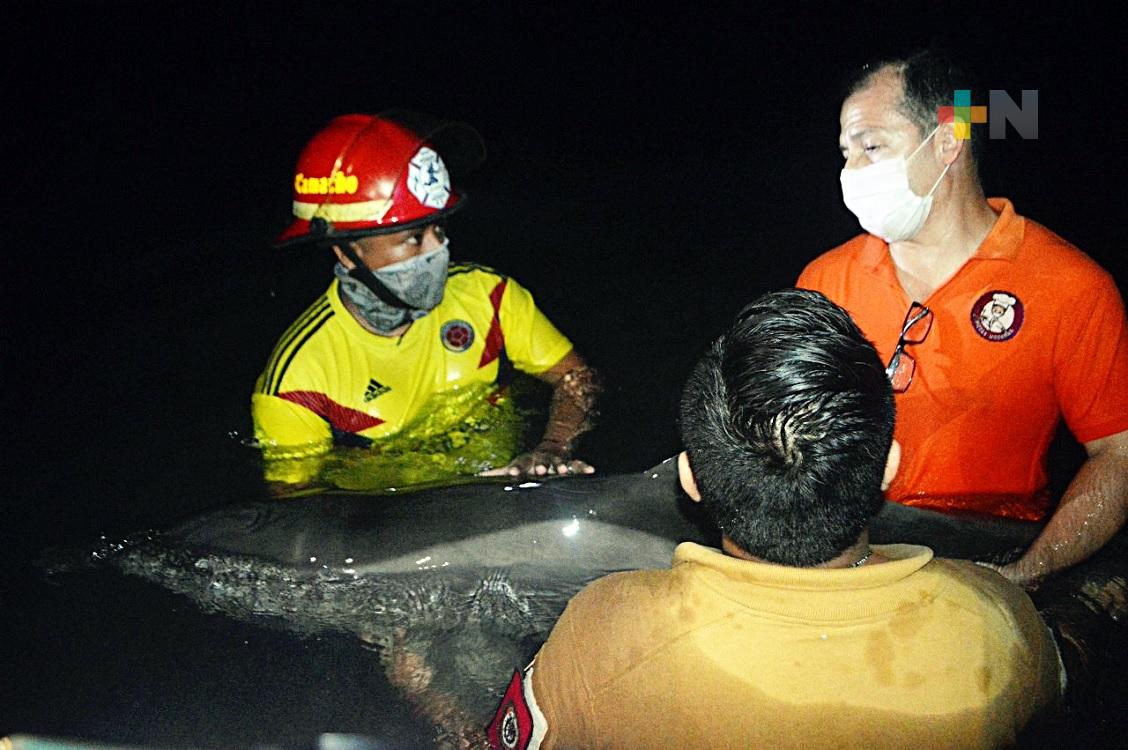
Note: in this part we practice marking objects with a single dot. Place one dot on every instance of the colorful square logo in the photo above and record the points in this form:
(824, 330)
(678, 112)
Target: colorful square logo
(962, 113)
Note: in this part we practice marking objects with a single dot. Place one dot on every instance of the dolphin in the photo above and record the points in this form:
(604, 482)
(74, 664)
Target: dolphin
(600, 524)
(452, 586)
(588, 523)
(455, 586)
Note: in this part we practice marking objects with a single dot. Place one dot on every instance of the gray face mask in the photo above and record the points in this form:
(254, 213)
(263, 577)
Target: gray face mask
(418, 281)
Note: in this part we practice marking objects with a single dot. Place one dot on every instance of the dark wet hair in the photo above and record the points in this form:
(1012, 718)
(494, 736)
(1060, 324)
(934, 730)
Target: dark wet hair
(787, 420)
(930, 78)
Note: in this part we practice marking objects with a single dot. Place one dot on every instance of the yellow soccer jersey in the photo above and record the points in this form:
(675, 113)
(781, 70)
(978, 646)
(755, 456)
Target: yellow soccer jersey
(331, 381)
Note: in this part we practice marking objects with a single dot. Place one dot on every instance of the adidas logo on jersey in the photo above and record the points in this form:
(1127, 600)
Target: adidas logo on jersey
(375, 390)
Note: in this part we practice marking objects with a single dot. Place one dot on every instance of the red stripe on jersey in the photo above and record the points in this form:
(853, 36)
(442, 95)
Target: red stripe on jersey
(339, 416)
(495, 339)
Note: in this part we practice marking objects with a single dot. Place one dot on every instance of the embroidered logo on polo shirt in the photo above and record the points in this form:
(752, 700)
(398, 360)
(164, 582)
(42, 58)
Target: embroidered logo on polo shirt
(997, 315)
(457, 335)
(375, 390)
(512, 725)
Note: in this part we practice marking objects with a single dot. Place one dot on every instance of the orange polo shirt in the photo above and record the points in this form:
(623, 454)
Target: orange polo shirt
(1028, 330)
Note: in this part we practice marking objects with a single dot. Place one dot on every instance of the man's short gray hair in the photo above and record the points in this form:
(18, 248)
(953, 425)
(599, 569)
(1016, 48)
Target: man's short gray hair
(929, 79)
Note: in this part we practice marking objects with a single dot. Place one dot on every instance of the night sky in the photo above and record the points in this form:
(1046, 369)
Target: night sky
(648, 173)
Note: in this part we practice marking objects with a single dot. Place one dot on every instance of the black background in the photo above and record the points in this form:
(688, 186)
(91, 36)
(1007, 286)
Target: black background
(649, 172)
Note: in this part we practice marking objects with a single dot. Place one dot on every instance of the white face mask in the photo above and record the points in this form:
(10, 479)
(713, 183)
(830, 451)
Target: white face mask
(880, 196)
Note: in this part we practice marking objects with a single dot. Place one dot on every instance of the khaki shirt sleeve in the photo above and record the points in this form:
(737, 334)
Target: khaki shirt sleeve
(1037, 666)
(532, 342)
(559, 679)
(1046, 672)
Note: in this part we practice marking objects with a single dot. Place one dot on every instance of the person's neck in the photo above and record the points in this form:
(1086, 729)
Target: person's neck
(856, 555)
(355, 312)
(962, 219)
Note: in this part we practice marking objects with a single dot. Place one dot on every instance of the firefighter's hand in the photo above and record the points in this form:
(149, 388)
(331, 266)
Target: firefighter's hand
(547, 459)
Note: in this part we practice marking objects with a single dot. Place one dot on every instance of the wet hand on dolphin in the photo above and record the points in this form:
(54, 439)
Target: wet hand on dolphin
(547, 459)
(576, 388)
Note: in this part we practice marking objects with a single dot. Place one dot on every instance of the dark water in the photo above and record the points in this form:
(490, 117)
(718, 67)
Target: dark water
(647, 176)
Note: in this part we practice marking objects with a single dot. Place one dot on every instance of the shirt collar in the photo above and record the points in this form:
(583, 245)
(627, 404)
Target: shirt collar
(355, 330)
(1001, 243)
(904, 560)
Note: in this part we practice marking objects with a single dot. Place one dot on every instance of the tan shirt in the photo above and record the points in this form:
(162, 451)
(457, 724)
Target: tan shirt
(721, 652)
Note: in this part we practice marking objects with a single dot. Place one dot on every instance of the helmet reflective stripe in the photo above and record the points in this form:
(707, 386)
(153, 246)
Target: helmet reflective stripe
(364, 211)
(371, 174)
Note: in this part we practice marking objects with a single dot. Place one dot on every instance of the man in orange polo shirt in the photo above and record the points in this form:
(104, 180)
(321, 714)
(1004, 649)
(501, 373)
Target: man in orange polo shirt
(992, 326)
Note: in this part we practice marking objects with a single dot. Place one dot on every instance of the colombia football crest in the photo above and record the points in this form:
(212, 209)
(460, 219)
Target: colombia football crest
(997, 315)
(457, 335)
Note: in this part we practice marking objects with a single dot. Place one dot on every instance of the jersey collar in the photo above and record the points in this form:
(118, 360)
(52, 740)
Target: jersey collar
(355, 330)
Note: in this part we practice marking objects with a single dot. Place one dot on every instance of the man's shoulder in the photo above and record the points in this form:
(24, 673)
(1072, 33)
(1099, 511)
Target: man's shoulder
(845, 252)
(471, 272)
(981, 592)
(833, 261)
(472, 283)
(634, 613)
(480, 289)
(306, 334)
(619, 604)
(1047, 252)
(620, 593)
(981, 605)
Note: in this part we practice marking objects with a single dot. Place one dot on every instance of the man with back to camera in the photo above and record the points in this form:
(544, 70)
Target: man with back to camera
(798, 634)
(992, 326)
(397, 326)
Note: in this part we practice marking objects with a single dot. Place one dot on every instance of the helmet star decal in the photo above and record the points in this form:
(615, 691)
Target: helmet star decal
(427, 178)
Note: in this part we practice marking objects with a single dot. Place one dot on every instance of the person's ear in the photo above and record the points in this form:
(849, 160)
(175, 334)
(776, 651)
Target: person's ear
(891, 465)
(685, 476)
(343, 259)
(948, 145)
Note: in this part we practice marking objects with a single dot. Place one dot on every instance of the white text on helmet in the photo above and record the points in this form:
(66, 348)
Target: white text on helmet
(335, 183)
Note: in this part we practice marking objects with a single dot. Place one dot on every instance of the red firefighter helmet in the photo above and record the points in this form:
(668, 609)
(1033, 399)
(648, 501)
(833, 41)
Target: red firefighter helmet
(372, 174)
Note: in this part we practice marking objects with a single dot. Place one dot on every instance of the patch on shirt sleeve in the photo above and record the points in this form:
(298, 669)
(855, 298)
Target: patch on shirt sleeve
(512, 727)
